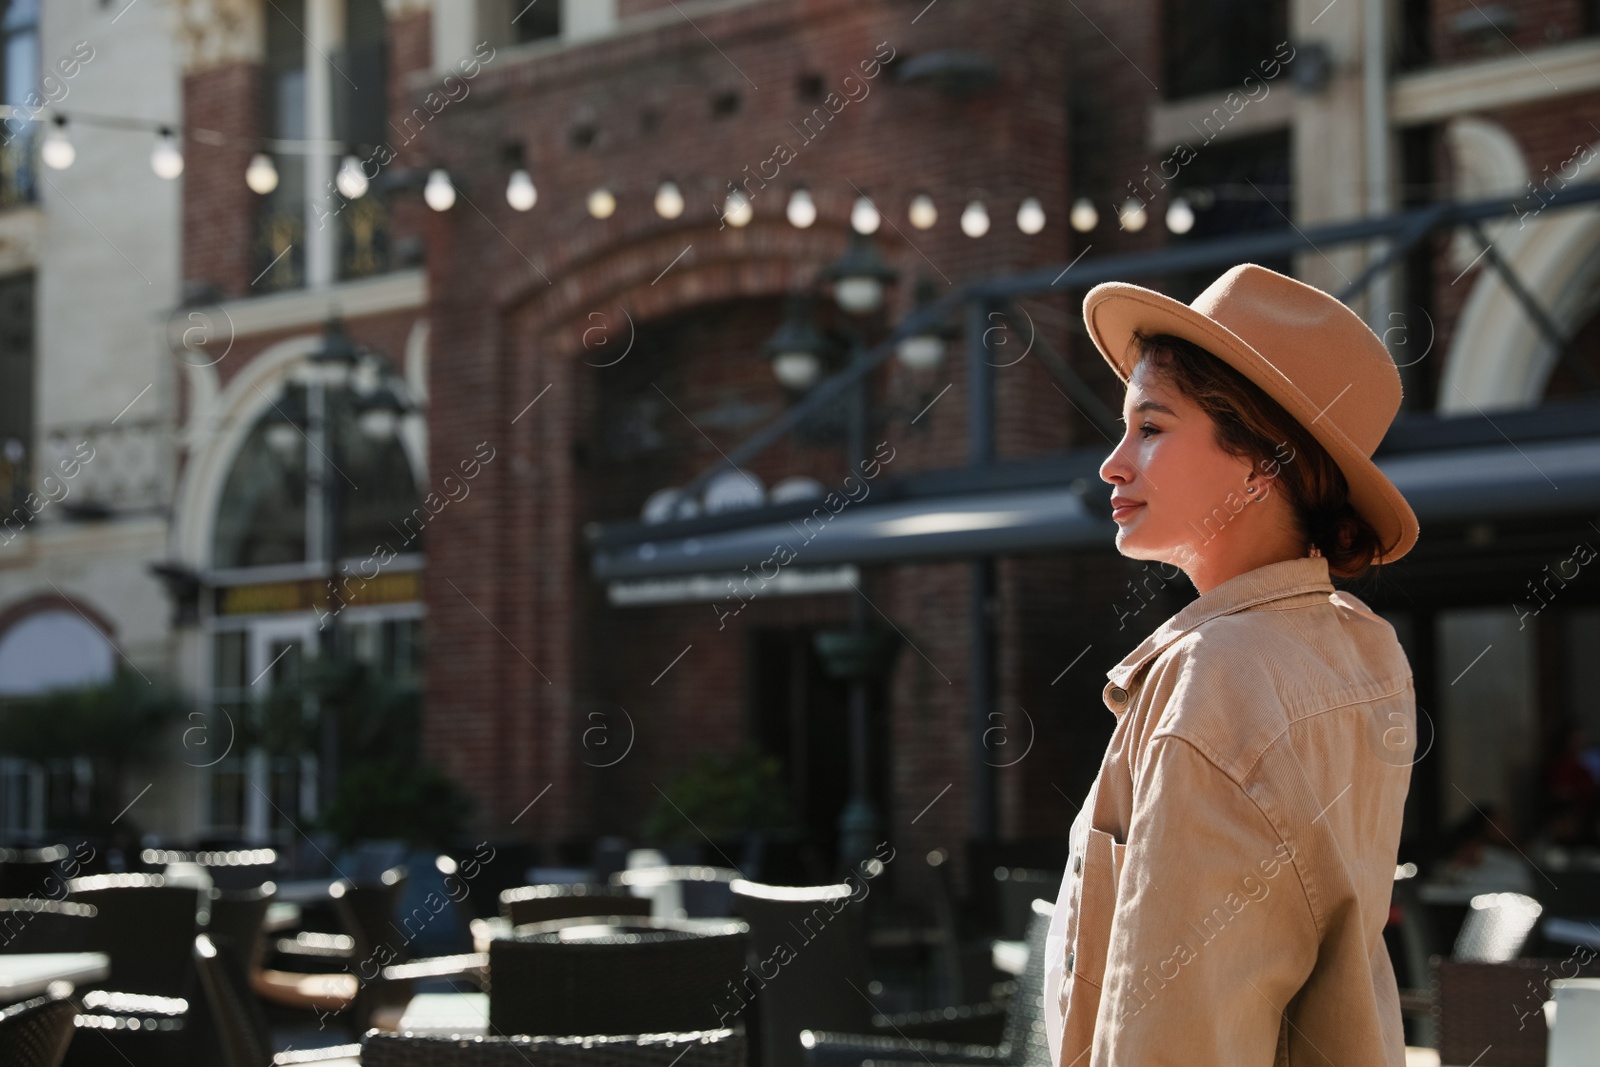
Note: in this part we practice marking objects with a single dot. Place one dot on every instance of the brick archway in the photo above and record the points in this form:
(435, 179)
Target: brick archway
(640, 276)
(22, 609)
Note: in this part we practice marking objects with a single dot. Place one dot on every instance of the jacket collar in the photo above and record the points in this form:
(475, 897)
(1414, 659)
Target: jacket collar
(1274, 581)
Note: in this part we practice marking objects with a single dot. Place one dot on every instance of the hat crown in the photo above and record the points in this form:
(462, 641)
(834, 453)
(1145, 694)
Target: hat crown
(1312, 340)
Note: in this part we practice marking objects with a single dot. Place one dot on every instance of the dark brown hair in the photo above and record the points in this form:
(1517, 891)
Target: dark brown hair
(1251, 425)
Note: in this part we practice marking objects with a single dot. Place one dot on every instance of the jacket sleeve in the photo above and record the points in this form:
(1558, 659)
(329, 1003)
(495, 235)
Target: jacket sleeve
(1212, 933)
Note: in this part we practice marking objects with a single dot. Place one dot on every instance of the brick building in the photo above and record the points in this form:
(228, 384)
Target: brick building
(585, 364)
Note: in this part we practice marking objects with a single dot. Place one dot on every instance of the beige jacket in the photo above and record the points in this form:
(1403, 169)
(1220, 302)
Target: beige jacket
(1230, 872)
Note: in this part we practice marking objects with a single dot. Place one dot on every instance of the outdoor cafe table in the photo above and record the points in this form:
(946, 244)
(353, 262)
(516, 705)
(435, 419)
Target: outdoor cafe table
(447, 1013)
(27, 974)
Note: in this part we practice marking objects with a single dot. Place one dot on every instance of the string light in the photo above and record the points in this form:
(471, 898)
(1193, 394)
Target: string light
(438, 192)
(736, 209)
(1030, 216)
(669, 200)
(975, 219)
(57, 151)
(262, 174)
(864, 217)
(1132, 215)
(922, 212)
(802, 210)
(520, 193)
(166, 159)
(1180, 216)
(1084, 215)
(351, 181)
(602, 203)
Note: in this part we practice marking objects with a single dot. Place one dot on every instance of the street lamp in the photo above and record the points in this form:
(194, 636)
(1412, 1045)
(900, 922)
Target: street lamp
(335, 366)
(859, 276)
(924, 350)
(796, 349)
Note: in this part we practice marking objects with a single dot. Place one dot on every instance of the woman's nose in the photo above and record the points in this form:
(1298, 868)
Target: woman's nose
(1115, 469)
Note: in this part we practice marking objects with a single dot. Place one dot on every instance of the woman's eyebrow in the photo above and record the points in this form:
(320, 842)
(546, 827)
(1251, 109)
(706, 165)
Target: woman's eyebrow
(1152, 405)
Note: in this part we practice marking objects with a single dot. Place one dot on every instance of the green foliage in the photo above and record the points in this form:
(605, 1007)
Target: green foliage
(721, 797)
(109, 722)
(111, 725)
(385, 788)
(394, 799)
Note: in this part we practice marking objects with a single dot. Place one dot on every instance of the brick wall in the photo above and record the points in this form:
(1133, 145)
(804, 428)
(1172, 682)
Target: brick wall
(513, 296)
(218, 208)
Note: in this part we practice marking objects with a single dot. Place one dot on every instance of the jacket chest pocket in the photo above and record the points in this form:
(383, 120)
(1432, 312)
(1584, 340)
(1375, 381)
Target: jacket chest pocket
(1101, 872)
(1099, 868)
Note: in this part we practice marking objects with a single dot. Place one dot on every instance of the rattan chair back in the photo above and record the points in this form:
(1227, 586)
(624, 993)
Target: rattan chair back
(627, 976)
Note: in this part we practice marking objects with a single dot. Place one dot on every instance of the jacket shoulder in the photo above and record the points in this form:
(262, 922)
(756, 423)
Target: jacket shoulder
(1235, 683)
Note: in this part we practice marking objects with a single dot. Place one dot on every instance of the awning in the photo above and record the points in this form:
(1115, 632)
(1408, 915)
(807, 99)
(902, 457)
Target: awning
(1443, 485)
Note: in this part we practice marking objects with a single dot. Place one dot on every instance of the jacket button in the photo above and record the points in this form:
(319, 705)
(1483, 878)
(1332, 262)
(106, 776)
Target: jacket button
(1118, 693)
(1077, 862)
(1070, 958)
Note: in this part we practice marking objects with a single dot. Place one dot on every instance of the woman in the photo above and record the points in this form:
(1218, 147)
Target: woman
(1230, 870)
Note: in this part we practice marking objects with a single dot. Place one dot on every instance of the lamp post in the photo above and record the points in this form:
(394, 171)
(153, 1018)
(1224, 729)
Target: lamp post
(798, 353)
(328, 372)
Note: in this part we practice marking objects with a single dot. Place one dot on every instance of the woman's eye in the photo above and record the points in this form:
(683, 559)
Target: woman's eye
(1148, 429)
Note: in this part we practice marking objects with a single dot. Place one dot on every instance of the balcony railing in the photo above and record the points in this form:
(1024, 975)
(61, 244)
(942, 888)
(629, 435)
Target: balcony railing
(363, 227)
(98, 470)
(17, 176)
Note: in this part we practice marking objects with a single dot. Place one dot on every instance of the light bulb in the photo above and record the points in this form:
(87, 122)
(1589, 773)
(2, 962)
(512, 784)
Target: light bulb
(57, 151)
(520, 193)
(669, 200)
(1132, 214)
(262, 174)
(378, 423)
(975, 219)
(864, 217)
(802, 210)
(602, 203)
(858, 294)
(1084, 215)
(351, 181)
(921, 351)
(283, 438)
(439, 193)
(166, 159)
(923, 213)
(1030, 216)
(796, 370)
(1180, 216)
(736, 210)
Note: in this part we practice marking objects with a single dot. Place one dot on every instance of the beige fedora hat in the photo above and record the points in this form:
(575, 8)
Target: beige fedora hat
(1305, 348)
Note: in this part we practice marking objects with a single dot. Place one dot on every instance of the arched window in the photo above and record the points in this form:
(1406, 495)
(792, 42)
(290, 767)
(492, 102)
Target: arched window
(263, 513)
(53, 648)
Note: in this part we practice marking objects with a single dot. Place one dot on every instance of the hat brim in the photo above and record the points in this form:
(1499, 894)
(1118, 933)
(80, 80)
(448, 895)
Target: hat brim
(1113, 310)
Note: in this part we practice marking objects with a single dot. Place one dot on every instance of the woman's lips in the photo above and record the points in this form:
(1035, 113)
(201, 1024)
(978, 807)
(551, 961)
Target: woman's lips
(1125, 510)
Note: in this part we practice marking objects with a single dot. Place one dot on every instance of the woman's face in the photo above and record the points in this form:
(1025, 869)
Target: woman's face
(1189, 506)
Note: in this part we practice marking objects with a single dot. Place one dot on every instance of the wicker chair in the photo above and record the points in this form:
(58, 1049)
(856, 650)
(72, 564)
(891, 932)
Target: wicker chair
(241, 1029)
(808, 951)
(1023, 1043)
(706, 1048)
(35, 925)
(236, 923)
(1497, 1007)
(36, 1033)
(546, 903)
(706, 891)
(626, 976)
(141, 1010)
(339, 974)
(26, 872)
